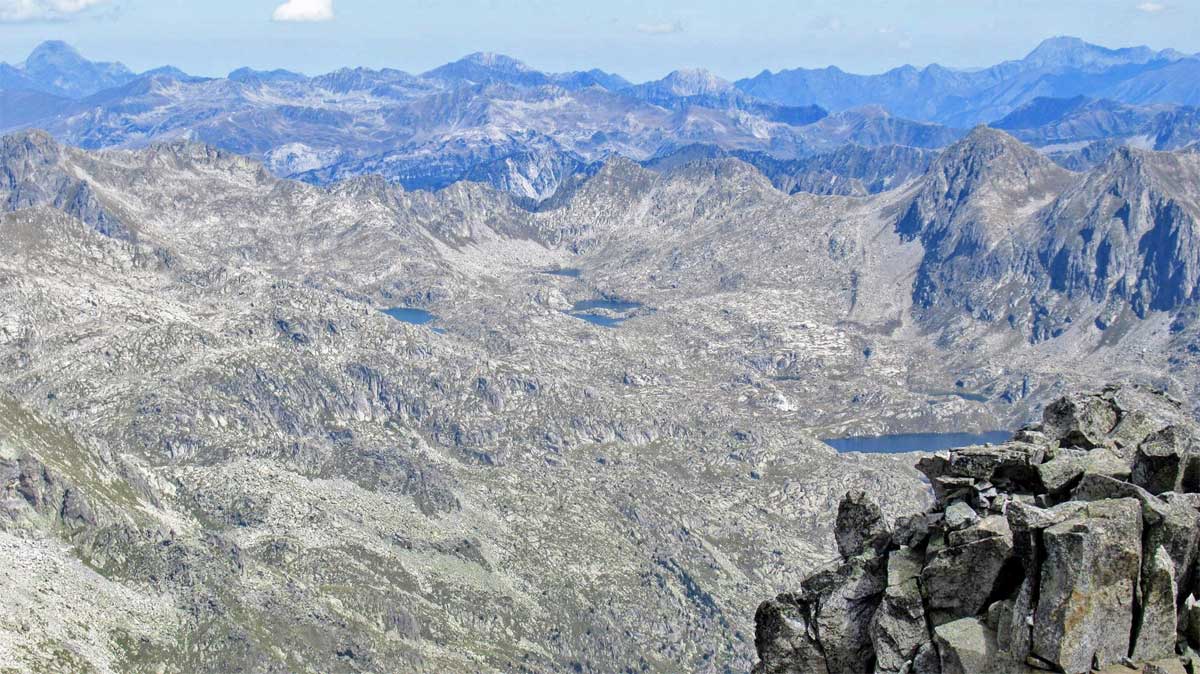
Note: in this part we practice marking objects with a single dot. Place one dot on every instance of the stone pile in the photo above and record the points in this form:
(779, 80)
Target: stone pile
(1071, 548)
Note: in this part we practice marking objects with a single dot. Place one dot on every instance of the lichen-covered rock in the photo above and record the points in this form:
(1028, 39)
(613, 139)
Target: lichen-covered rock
(785, 639)
(1155, 632)
(1191, 621)
(861, 526)
(1080, 420)
(966, 646)
(1088, 580)
(959, 515)
(911, 531)
(961, 573)
(898, 628)
(1161, 461)
(926, 661)
(841, 603)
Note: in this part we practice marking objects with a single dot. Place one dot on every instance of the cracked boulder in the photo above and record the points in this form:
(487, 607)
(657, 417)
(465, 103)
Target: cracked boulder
(1089, 577)
(898, 629)
(1082, 421)
(963, 567)
(1161, 461)
(861, 526)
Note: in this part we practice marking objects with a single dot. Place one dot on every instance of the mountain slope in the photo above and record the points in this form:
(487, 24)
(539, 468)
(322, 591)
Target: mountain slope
(1129, 233)
(969, 207)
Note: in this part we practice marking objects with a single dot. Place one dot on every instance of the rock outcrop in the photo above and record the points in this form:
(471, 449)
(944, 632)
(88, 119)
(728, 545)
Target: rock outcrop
(1070, 548)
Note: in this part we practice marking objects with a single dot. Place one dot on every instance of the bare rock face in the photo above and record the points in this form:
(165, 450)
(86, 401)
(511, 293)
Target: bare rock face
(898, 628)
(1161, 462)
(1088, 579)
(1071, 548)
(1156, 633)
(966, 646)
(1080, 421)
(861, 526)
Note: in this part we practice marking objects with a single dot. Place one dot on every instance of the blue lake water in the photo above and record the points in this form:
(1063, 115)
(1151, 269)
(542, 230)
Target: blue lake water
(585, 310)
(569, 272)
(602, 321)
(410, 315)
(915, 442)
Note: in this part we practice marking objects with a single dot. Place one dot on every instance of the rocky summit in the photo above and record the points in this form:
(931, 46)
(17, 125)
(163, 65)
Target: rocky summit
(1071, 548)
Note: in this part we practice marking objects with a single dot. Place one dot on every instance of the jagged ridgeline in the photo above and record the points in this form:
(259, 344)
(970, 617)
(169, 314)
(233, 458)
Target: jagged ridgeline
(1070, 548)
(493, 119)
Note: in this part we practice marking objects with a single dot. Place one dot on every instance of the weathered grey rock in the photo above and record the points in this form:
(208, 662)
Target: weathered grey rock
(959, 577)
(1050, 559)
(1080, 420)
(1017, 636)
(1011, 465)
(1133, 428)
(1164, 666)
(785, 639)
(1099, 487)
(1191, 621)
(841, 603)
(1156, 630)
(1108, 462)
(1178, 532)
(1059, 474)
(46, 492)
(959, 515)
(966, 646)
(1161, 461)
(1027, 517)
(861, 526)
(999, 620)
(911, 531)
(898, 628)
(926, 661)
(1031, 434)
(1087, 583)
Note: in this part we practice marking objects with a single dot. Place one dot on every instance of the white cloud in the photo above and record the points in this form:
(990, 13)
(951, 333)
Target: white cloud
(660, 28)
(1152, 7)
(304, 10)
(44, 10)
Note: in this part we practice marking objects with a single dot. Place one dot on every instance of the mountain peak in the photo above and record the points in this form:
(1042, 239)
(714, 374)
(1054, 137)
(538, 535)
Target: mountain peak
(985, 162)
(487, 68)
(496, 61)
(1072, 52)
(987, 155)
(695, 82)
(56, 49)
(56, 67)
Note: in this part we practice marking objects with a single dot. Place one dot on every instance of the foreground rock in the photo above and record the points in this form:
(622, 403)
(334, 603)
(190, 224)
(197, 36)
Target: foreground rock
(1071, 548)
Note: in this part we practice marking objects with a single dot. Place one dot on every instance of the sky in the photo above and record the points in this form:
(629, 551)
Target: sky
(640, 39)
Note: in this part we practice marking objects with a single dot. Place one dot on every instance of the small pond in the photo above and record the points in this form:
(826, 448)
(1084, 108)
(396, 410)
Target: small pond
(915, 442)
(569, 272)
(413, 317)
(587, 310)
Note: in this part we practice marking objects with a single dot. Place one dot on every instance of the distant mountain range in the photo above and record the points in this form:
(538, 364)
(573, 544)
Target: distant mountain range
(491, 118)
(1061, 67)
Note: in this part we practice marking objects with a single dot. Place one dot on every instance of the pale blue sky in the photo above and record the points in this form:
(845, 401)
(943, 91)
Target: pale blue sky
(640, 39)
